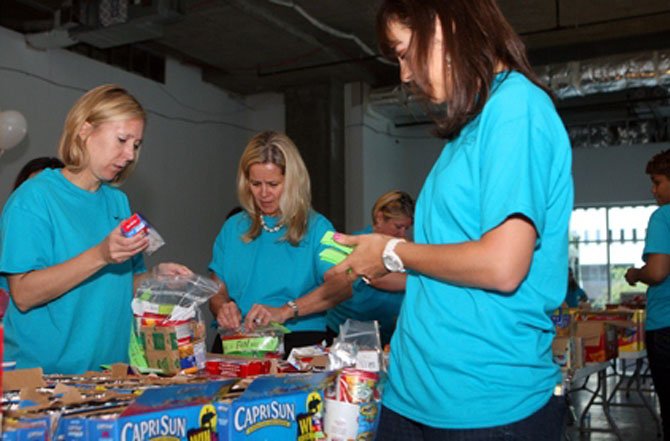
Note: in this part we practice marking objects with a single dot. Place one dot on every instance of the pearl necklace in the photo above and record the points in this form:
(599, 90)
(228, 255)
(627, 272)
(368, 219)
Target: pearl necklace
(270, 229)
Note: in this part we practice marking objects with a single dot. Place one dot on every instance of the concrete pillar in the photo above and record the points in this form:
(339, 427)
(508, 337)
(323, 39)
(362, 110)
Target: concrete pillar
(315, 122)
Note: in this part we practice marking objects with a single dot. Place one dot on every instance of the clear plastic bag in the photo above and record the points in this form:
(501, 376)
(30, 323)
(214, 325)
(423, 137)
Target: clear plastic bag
(174, 298)
(358, 345)
(169, 331)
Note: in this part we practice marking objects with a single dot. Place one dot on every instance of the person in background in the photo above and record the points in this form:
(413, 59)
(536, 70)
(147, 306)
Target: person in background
(70, 270)
(267, 257)
(655, 272)
(575, 296)
(392, 215)
(29, 170)
(34, 167)
(471, 354)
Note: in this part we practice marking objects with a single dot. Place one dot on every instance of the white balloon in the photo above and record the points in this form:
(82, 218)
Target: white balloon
(13, 128)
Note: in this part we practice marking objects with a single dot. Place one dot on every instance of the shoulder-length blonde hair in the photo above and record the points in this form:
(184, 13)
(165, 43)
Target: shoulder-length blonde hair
(105, 103)
(295, 202)
(393, 205)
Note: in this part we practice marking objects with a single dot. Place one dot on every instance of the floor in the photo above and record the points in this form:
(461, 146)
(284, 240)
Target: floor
(634, 423)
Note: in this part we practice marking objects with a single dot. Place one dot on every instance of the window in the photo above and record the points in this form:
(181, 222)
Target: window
(604, 243)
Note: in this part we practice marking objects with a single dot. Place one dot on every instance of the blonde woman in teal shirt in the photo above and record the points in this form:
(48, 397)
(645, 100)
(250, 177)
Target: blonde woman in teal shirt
(267, 257)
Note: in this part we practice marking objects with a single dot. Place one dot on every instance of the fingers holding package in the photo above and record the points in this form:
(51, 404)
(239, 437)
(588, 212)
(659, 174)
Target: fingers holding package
(229, 315)
(366, 259)
(116, 248)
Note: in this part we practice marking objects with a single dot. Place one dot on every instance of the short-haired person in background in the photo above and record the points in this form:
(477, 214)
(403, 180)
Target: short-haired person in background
(392, 215)
(70, 270)
(267, 257)
(34, 167)
(471, 354)
(655, 272)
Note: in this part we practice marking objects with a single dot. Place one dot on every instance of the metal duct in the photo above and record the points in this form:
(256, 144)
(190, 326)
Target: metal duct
(608, 74)
(573, 80)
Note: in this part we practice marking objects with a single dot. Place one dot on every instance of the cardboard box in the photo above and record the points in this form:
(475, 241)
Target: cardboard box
(288, 407)
(173, 348)
(629, 323)
(565, 322)
(568, 352)
(285, 407)
(600, 340)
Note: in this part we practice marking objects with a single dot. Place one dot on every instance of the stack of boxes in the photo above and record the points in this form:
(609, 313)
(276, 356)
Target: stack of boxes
(596, 336)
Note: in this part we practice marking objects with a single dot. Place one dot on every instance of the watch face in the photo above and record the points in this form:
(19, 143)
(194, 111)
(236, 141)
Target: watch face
(391, 263)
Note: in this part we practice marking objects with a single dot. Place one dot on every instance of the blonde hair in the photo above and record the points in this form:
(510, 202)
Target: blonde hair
(295, 202)
(105, 103)
(393, 205)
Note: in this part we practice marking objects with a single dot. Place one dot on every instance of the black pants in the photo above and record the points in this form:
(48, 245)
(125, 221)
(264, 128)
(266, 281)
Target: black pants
(546, 424)
(658, 351)
(292, 340)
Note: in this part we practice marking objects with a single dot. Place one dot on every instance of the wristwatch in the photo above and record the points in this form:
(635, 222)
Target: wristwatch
(391, 260)
(294, 306)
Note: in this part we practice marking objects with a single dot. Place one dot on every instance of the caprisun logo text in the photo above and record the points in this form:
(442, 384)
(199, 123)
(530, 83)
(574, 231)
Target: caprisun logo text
(250, 419)
(163, 428)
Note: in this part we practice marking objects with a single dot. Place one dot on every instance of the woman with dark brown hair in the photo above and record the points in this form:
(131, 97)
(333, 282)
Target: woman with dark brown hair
(471, 355)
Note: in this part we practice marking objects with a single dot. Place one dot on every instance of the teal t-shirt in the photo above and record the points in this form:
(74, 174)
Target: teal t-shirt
(574, 296)
(658, 242)
(47, 221)
(464, 357)
(269, 270)
(368, 303)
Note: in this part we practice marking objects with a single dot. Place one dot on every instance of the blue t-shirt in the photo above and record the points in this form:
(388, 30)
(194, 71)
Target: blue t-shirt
(658, 242)
(269, 270)
(47, 221)
(464, 357)
(574, 296)
(368, 303)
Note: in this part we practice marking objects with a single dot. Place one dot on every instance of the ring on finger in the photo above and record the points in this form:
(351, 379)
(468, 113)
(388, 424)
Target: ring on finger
(366, 279)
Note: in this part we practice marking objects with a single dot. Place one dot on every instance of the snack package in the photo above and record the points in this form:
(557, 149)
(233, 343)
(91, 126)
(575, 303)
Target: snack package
(335, 253)
(264, 341)
(168, 323)
(136, 224)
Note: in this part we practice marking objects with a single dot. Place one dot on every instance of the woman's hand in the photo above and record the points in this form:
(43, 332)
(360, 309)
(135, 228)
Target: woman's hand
(262, 315)
(171, 269)
(229, 316)
(365, 260)
(116, 248)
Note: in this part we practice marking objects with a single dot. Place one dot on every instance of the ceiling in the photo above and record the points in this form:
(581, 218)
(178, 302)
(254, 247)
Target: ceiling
(251, 46)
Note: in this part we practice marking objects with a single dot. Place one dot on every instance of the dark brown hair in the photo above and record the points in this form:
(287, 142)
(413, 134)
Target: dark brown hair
(36, 165)
(659, 164)
(477, 39)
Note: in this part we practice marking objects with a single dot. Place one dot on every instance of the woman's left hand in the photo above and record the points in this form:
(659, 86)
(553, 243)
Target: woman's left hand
(365, 260)
(172, 269)
(262, 315)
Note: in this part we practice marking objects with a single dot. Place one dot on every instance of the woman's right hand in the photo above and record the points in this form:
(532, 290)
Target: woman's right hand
(229, 315)
(116, 248)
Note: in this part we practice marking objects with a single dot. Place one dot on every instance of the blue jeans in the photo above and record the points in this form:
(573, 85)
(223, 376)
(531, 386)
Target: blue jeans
(546, 424)
(658, 351)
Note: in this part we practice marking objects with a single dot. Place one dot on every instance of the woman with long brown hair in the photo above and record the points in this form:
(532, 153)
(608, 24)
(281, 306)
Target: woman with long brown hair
(471, 356)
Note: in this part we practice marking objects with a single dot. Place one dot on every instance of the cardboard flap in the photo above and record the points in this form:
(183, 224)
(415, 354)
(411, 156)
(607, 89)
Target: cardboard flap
(23, 378)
